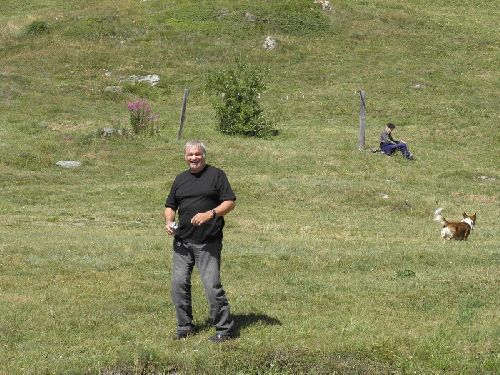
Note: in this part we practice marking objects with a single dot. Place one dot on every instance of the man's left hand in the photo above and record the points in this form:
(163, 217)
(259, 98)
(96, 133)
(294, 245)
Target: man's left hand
(201, 218)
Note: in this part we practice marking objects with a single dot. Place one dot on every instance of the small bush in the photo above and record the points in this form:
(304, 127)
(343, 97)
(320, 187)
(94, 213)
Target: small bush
(294, 20)
(37, 28)
(237, 107)
(142, 90)
(96, 28)
(142, 119)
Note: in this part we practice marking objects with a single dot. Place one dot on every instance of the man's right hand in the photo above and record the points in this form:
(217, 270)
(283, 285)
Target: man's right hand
(168, 228)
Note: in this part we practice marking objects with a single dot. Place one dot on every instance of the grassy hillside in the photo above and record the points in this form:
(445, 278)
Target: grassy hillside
(324, 273)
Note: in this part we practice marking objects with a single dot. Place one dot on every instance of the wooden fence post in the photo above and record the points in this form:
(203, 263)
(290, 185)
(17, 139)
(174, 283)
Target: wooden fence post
(183, 113)
(362, 120)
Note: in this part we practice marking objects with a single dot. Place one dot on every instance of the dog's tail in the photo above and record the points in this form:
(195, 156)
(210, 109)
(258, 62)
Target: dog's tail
(438, 217)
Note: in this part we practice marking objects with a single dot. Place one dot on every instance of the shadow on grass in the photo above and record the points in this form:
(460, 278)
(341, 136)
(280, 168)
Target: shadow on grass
(241, 321)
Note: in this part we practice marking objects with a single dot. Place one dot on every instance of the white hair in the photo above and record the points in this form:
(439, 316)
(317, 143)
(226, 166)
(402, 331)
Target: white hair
(196, 143)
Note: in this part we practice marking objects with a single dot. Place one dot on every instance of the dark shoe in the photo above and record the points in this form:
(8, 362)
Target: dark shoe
(220, 338)
(184, 334)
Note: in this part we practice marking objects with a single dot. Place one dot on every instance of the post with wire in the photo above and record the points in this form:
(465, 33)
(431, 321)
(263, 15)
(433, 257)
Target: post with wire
(183, 113)
(362, 120)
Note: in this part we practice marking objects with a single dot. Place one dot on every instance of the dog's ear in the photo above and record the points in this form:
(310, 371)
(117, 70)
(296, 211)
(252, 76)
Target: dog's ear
(465, 215)
(473, 217)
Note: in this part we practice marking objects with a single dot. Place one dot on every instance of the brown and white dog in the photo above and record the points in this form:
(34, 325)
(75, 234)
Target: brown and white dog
(455, 230)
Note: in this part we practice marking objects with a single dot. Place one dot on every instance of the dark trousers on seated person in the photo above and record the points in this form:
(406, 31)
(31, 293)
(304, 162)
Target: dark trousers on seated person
(389, 149)
(207, 258)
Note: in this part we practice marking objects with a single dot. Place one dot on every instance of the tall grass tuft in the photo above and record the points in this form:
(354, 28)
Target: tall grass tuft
(142, 119)
(37, 28)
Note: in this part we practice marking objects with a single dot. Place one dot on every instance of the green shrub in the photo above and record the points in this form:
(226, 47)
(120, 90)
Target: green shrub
(294, 20)
(142, 90)
(37, 28)
(236, 105)
(96, 28)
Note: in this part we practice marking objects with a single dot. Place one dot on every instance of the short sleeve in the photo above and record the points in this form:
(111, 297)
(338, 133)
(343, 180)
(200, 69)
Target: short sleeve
(226, 193)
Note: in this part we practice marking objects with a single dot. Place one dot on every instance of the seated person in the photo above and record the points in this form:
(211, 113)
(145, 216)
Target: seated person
(388, 145)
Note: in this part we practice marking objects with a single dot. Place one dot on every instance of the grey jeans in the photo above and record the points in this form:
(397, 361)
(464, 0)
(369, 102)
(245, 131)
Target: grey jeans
(207, 258)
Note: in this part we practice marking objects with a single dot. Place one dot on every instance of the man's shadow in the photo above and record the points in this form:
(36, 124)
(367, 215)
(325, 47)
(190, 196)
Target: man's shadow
(242, 321)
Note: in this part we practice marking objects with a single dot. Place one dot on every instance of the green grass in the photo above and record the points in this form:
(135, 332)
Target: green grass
(324, 275)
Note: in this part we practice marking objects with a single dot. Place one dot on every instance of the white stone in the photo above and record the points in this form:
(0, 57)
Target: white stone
(68, 164)
(114, 89)
(269, 43)
(152, 79)
(325, 4)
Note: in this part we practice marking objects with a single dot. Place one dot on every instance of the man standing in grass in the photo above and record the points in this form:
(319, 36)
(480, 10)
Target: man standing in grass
(389, 145)
(202, 196)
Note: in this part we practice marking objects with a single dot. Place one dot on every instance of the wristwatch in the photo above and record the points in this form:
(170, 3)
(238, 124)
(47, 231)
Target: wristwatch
(214, 214)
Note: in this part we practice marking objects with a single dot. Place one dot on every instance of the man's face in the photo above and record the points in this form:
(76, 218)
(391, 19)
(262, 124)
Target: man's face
(195, 159)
